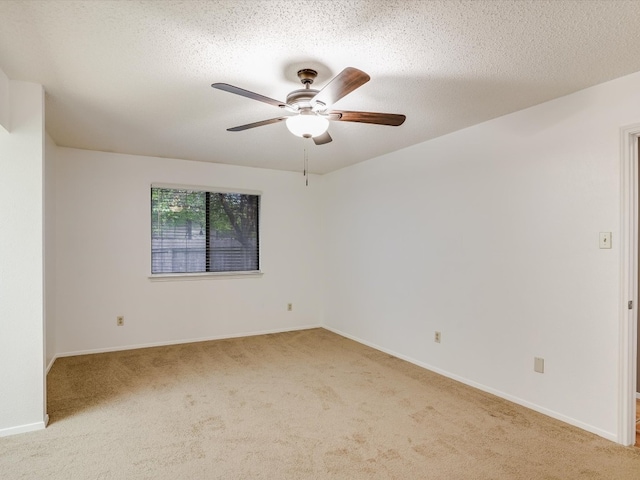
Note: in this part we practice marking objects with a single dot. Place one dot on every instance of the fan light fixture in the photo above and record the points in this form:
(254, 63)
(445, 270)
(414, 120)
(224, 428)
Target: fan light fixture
(313, 106)
(307, 125)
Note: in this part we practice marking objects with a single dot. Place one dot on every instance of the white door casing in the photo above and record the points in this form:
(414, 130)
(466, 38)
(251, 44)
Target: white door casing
(629, 284)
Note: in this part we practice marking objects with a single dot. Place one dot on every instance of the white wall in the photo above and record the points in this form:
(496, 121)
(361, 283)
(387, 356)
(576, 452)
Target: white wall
(490, 235)
(5, 118)
(22, 380)
(49, 248)
(103, 256)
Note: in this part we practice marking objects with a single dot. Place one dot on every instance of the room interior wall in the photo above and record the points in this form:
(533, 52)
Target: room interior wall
(4, 102)
(49, 248)
(103, 256)
(22, 379)
(490, 235)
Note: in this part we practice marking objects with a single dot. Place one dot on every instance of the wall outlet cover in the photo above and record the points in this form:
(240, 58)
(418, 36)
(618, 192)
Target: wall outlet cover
(538, 364)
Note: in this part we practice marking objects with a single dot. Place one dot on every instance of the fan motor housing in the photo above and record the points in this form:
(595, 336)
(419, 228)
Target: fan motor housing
(301, 98)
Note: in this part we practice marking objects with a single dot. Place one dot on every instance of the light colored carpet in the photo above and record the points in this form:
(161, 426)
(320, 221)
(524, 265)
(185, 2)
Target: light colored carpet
(299, 405)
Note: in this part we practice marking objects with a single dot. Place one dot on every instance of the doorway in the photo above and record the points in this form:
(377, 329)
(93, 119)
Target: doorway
(629, 243)
(637, 423)
(635, 351)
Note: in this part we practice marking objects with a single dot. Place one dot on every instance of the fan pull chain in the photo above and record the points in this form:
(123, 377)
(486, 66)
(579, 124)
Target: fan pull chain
(306, 168)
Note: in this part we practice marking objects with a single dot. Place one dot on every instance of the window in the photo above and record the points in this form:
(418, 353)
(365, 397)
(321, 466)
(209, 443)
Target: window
(196, 231)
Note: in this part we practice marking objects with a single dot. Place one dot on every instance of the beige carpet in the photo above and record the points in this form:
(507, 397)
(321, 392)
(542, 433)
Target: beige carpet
(300, 405)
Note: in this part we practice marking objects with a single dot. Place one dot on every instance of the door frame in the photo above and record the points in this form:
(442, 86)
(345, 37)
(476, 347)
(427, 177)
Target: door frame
(628, 333)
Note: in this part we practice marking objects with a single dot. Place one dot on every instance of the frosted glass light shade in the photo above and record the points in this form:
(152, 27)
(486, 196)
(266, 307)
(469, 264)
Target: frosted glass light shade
(307, 125)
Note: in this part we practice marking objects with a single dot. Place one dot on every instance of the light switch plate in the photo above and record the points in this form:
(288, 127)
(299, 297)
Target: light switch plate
(605, 239)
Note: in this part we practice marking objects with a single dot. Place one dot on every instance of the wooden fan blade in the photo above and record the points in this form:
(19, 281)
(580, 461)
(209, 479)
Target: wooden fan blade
(322, 139)
(256, 124)
(246, 93)
(342, 84)
(391, 119)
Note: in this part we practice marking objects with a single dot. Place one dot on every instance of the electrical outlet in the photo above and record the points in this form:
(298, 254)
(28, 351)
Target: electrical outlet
(120, 320)
(289, 307)
(538, 364)
(437, 337)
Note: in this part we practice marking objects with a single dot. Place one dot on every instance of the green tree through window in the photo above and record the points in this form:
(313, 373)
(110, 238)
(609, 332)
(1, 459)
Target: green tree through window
(203, 231)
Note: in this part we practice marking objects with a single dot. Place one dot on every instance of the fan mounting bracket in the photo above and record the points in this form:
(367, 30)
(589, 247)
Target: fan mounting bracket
(307, 76)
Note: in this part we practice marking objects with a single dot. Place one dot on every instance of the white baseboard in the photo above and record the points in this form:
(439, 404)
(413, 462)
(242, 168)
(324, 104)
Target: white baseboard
(50, 364)
(550, 413)
(638, 395)
(179, 342)
(30, 427)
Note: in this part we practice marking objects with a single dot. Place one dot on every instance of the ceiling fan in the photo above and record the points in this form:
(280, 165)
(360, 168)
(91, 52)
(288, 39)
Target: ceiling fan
(310, 108)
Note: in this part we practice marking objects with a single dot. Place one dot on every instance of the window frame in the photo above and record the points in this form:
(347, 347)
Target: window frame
(204, 275)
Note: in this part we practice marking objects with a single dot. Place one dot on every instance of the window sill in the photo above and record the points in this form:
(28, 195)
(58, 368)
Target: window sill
(167, 277)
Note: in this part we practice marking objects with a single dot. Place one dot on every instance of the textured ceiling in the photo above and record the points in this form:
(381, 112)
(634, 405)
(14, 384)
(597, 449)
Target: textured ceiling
(134, 76)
